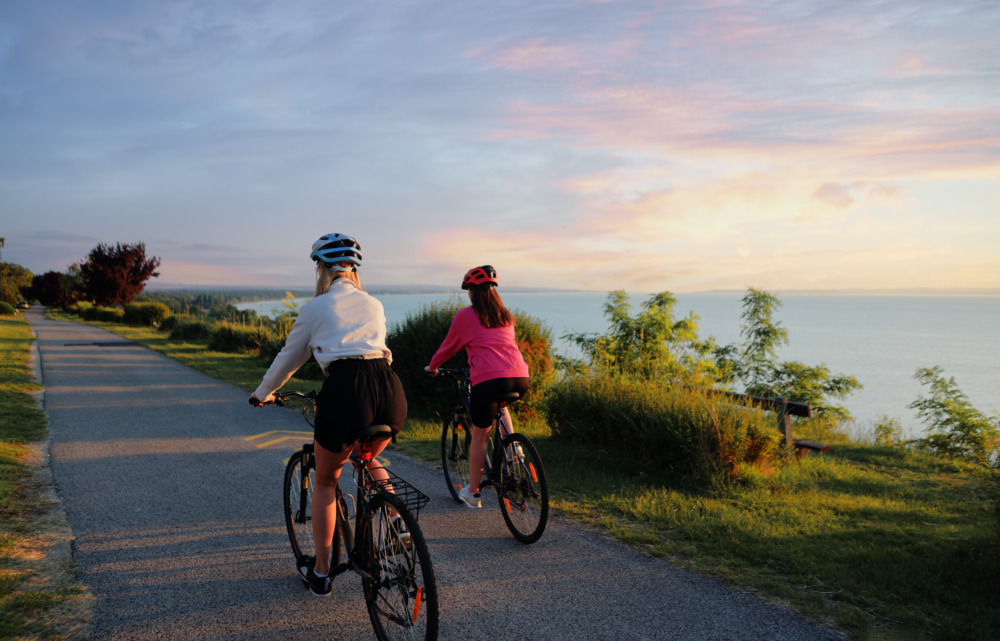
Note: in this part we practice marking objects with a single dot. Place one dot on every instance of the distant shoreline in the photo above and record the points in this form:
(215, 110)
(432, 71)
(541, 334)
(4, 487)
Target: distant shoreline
(153, 287)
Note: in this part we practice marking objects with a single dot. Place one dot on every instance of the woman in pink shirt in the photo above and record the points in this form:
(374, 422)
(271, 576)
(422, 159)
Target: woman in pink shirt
(486, 331)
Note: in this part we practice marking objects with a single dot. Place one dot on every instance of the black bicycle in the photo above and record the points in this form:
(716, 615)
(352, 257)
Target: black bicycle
(397, 577)
(513, 467)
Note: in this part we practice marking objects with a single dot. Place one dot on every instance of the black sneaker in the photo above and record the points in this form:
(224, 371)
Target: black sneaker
(318, 585)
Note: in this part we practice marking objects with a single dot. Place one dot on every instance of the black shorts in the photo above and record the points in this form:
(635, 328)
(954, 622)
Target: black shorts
(358, 393)
(486, 397)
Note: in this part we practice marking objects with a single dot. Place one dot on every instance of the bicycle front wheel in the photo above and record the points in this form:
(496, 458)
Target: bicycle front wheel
(523, 491)
(455, 440)
(400, 591)
(300, 477)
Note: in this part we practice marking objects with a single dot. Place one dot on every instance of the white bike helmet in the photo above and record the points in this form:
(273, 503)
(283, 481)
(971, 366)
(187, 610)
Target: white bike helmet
(331, 249)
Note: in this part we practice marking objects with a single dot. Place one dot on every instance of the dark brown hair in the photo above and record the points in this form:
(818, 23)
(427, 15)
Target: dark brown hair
(489, 307)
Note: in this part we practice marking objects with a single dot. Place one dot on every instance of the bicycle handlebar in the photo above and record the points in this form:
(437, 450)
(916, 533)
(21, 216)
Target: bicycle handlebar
(279, 398)
(461, 373)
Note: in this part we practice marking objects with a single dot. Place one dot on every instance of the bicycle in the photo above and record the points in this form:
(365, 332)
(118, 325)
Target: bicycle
(513, 467)
(394, 564)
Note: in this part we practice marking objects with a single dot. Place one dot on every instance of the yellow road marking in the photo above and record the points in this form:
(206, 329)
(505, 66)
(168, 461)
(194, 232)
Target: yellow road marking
(297, 434)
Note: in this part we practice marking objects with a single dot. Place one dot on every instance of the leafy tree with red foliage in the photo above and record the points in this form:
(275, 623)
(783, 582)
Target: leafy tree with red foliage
(116, 275)
(49, 290)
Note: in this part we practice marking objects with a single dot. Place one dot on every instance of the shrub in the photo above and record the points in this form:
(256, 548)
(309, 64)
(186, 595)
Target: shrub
(679, 428)
(146, 314)
(170, 322)
(235, 337)
(414, 341)
(79, 307)
(888, 432)
(104, 314)
(6, 309)
(954, 427)
(275, 340)
(191, 330)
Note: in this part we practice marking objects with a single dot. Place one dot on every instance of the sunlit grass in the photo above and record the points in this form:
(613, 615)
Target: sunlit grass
(38, 597)
(885, 543)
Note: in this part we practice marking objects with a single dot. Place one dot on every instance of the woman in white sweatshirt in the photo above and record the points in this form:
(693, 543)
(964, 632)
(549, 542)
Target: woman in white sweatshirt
(344, 329)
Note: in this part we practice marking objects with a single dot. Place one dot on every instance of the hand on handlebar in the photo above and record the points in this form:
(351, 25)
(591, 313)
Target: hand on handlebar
(430, 372)
(259, 403)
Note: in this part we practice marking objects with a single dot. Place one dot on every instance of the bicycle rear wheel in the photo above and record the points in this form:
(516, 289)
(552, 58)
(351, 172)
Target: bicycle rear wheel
(523, 491)
(300, 477)
(455, 440)
(400, 591)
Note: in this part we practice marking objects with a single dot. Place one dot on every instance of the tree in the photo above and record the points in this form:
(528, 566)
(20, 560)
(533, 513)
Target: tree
(954, 427)
(14, 279)
(116, 275)
(755, 362)
(49, 290)
(651, 344)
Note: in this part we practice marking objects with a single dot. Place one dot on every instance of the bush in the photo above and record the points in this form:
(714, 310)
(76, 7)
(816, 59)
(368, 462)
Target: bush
(275, 340)
(954, 427)
(414, 341)
(104, 314)
(170, 322)
(6, 309)
(235, 337)
(888, 432)
(191, 330)
(146, 314)
(682, 429)
(79, 307)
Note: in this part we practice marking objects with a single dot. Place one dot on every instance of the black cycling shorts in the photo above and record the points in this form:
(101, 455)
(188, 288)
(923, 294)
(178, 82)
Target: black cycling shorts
(486, 397)
(358, 393)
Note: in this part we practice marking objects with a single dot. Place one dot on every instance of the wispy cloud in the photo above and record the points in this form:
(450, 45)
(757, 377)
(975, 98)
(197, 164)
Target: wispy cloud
(646, 145)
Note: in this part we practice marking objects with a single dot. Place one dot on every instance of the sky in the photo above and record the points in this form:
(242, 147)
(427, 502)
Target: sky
(640, 145)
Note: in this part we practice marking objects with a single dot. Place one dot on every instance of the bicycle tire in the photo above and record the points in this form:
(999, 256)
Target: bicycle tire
(297, 502)
(400, 590)
(523, 491)
(455, 440)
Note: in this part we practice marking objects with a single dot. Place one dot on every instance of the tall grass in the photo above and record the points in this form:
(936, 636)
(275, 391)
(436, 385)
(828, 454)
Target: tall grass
(679, 428)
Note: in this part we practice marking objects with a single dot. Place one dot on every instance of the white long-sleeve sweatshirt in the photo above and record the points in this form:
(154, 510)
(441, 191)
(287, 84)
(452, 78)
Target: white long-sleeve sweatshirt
(345, 322)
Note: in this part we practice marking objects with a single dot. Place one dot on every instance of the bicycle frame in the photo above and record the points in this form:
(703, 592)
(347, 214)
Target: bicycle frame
(384, 546)
(464, 406)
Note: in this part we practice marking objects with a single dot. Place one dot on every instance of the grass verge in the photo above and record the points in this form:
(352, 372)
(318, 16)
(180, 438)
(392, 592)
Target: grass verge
(39, 598)
(886, 544)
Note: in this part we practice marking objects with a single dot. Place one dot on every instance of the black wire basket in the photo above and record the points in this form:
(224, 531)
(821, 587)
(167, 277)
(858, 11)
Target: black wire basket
(397, 489)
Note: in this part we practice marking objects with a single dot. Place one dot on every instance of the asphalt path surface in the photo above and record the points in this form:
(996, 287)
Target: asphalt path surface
(172, 486)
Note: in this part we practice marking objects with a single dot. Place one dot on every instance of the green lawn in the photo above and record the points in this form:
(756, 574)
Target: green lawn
(884, 543)
(39, 598)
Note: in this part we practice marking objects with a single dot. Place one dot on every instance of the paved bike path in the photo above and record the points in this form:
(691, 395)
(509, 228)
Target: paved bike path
(176, 512)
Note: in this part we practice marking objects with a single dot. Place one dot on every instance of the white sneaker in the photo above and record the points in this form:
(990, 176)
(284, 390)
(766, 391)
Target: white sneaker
(472, 500)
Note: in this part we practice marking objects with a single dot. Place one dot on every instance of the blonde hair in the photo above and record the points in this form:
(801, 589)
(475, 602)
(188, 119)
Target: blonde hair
(325, 276)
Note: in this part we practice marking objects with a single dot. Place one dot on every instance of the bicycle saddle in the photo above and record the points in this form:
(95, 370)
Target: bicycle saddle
(375, 433)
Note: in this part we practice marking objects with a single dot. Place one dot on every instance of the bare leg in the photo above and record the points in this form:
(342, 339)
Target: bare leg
(477, 456)
(508, 422)
(324, 508)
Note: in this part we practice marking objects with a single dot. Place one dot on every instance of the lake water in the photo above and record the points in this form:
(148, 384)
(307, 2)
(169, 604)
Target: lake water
(880, 340)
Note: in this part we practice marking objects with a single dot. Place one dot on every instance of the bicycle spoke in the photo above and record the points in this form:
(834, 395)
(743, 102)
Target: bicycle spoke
(455, 440)
(523, 492)
(400, 595)
(298, 505)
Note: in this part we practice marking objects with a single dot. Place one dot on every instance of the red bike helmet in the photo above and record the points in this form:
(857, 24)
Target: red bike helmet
(484, 275)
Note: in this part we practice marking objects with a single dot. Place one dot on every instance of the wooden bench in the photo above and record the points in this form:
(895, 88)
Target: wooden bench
(785, 410)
